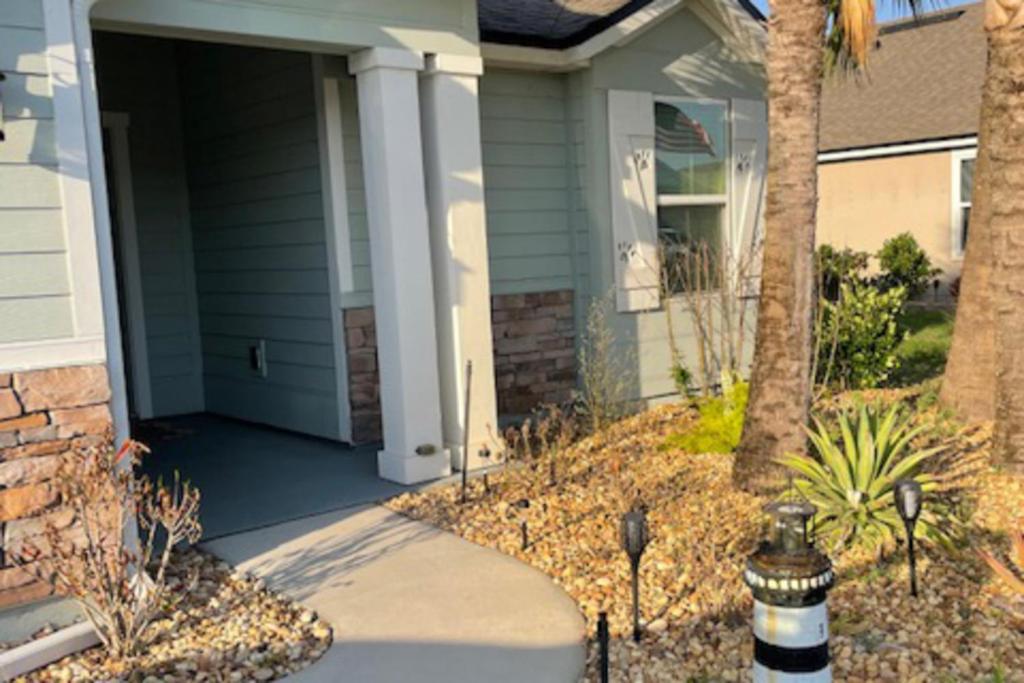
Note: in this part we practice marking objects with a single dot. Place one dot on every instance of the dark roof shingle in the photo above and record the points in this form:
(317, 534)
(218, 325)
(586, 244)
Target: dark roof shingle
(923, 82)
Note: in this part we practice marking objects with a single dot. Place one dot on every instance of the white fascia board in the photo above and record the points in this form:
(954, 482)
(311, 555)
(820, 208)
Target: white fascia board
(964, 142)
(533, 58)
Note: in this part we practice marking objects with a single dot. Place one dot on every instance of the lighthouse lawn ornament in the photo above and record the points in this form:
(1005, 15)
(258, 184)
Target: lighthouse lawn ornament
(790, 578)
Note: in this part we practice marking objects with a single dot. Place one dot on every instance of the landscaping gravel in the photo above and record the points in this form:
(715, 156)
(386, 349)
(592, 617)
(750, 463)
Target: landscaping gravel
(696, 609)
(228, 627)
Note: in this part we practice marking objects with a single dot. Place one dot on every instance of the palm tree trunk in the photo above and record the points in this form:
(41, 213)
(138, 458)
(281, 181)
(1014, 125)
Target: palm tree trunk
(968, 382)
(780, 382)
(1006, 71)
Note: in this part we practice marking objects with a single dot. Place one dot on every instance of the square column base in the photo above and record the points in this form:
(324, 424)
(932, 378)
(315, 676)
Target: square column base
(413, 469)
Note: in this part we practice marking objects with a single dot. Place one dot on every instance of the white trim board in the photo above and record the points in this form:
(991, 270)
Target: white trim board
(116, 124)
(326, 74)
(956, 202)
(91, 213)
(899, 149)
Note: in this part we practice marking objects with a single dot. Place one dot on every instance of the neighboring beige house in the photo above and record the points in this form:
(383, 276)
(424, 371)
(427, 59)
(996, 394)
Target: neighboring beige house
(898, 144)
(310, 214)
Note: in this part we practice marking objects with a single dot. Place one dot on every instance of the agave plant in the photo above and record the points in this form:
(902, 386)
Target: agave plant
(1011, 579)
(851, 481)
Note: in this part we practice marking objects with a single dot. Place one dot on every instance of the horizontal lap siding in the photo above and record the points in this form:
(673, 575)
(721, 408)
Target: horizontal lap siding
(577, 152)
(35, 293)
(359, 236)
(138, 76)
(526, 181)
(258, 229)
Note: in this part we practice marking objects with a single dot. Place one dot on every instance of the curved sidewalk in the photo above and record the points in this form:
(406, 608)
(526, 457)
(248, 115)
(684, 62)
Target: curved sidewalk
(411, 603)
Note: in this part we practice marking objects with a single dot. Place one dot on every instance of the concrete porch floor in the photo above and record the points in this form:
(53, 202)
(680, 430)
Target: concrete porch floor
(251, 476)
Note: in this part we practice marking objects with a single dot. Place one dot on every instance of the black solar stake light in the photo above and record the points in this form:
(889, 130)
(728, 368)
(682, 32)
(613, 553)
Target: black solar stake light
(602, 644)
(909, 496)
(465, 430)
(635, 537)
(524, 504)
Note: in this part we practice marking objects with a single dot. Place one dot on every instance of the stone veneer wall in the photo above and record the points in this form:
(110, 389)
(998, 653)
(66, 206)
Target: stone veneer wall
(44, 416)
(534, 349)
(363, 377)
(534, 357)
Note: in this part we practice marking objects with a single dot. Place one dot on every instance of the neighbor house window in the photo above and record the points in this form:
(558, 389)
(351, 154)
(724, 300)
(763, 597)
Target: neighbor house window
(691, 155)
(963, 184)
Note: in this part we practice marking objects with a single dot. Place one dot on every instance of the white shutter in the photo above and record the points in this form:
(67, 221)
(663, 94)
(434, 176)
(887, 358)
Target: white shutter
(634, 199)
(750, 157)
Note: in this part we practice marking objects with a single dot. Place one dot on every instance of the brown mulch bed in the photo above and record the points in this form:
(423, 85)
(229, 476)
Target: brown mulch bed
(693, 600)
(228, 627)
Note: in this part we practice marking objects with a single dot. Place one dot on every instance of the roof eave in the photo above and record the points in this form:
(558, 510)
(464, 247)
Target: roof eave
(734, 24)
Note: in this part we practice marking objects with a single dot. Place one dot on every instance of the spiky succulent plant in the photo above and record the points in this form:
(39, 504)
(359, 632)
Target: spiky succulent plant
(851, 480)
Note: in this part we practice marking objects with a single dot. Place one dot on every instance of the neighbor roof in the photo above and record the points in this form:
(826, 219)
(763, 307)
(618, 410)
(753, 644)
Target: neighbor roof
(923, 82)
(557, 24)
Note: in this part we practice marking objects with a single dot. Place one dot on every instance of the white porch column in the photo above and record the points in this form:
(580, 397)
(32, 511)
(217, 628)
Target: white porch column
(458, 242)
(396, 207)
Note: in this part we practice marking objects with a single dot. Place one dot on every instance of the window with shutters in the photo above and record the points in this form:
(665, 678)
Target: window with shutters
(691, 150)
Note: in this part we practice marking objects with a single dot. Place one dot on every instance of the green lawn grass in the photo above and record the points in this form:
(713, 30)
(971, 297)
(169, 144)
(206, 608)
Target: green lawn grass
(923, 353)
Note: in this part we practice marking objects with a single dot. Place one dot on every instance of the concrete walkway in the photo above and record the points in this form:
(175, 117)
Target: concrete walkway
(411, 603)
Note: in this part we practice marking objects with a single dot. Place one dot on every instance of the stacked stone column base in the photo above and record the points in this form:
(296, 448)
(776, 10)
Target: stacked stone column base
(45, 416)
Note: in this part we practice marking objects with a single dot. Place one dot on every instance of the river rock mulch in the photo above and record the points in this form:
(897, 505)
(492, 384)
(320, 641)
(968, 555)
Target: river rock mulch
(228, 627)
(696, 609)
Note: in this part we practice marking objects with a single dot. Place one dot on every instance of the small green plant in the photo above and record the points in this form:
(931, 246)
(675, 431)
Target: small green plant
(851, 480)
(720, 424)
(858, 336)
(905, 264)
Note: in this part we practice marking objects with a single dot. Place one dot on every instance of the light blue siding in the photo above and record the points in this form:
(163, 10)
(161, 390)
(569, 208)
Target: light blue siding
(35, 295)
(138, 76)
(259, 235)
(524, 129)
(359, 236)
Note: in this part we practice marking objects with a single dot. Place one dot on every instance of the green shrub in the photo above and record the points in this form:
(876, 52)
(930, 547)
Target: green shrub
(858, 336)
(851, 481)
(905, 264)
(720, 424)
(836, 268)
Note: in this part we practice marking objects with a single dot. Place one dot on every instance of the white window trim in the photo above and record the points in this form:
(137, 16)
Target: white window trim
(956, 202)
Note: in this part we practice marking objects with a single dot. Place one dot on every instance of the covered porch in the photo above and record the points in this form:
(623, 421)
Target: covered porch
(252, 476)
(246, 193)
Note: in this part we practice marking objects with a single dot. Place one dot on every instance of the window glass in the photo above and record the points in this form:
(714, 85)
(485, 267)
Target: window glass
(963, 204)
(965, 223)
(966, 180)
(691, 239)
(690, 147)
